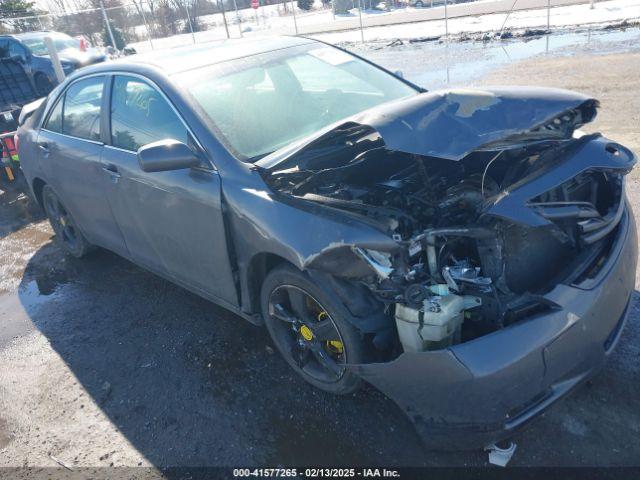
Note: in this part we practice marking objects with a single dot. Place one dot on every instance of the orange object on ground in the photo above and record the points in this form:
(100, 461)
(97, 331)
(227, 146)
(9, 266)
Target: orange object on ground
(9, 172)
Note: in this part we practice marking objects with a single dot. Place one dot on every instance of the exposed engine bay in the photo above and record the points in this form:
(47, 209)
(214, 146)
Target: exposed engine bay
(480, 238)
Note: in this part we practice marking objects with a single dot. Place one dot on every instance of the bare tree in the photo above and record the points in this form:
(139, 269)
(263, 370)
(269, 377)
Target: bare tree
(149, 22)
(56, 6)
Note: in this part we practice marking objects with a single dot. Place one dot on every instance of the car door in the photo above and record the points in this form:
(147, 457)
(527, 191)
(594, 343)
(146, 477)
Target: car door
(18, 52)
(172, 221)
(70, 149)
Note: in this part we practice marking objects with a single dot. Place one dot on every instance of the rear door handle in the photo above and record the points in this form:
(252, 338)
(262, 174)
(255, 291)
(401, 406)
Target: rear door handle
(112, 170)
(44, 148)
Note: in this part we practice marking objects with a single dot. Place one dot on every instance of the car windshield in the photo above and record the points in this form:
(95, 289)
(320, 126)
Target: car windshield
(61, 42)
(263, 102)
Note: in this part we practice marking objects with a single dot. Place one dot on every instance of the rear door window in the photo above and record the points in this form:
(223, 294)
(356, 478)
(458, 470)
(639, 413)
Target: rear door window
(141, 115)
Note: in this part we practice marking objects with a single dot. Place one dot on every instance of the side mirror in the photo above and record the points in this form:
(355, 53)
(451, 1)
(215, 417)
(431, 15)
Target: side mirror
(166, 155)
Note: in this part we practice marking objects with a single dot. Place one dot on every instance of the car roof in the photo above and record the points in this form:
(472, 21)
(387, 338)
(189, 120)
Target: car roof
(180, 59)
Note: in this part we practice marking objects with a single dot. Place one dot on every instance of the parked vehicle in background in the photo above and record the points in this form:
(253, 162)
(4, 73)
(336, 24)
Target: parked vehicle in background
(31, 51)
(129, 50)
(428, 3)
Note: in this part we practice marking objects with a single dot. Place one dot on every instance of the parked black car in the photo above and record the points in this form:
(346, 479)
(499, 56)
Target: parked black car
(30, 50)
(468, 252)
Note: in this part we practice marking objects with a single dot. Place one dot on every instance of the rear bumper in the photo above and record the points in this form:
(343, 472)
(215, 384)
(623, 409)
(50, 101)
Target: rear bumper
(479, 392)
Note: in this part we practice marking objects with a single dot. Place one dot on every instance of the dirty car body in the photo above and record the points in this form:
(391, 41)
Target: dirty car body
(481, 244)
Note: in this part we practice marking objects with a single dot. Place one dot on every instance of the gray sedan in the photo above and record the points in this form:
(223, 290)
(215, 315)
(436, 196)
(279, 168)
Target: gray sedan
(468, 252)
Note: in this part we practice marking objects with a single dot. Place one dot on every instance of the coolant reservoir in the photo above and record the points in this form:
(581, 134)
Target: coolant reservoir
(436, 324)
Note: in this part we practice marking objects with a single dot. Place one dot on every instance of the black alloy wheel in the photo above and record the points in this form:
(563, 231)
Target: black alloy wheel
(68, 234)
(311, 330)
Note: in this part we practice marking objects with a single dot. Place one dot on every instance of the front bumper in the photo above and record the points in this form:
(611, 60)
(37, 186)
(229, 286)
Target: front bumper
(475, 393)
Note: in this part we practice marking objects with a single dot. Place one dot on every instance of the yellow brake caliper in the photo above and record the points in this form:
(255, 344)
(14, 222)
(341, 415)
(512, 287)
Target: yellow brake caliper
(334, 346)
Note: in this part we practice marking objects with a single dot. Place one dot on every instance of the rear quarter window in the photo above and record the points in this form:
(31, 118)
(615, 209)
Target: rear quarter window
(77, 112)
(54, 122)
(81, 112)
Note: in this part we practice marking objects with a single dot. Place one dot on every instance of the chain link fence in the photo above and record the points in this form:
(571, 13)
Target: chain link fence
(163, 23)
(153, 24)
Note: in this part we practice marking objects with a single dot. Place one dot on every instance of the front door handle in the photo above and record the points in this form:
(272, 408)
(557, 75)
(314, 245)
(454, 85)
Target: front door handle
(112, 170)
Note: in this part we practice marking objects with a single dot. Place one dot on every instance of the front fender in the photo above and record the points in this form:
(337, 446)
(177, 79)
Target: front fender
(306, 235)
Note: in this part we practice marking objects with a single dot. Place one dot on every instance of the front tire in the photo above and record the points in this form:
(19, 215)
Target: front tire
(311, 329)
(68, 235)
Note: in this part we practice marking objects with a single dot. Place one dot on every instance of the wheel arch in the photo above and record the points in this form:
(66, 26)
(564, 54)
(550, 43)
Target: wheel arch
(257, 270)
(366, 313)
(37, 185)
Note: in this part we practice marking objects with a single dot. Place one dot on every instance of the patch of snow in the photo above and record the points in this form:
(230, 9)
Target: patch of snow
(573, 15)
(272, 19)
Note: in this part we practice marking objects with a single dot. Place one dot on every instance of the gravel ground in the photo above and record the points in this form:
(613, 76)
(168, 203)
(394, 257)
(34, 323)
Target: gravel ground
(105, 364)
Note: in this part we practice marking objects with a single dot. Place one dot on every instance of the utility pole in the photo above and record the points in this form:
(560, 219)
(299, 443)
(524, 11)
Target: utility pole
(295, 21)
(511, 11)
(235, 5)
(146, 25)
(446, 20)
(186, 9)
(224, 17)
(360, 15)
(106, 21)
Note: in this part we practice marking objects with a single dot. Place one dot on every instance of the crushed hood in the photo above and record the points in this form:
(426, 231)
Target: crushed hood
(450, 124)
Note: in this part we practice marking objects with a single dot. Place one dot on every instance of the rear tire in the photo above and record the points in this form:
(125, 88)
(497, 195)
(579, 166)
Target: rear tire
(68, 235)
(288, 337)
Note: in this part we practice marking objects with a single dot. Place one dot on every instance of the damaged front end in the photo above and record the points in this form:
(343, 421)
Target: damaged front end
(494, 201)
(490, 196)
